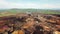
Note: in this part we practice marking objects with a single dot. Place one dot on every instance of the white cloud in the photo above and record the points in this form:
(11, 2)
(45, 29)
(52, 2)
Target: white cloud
(4, 4)
(53, 6)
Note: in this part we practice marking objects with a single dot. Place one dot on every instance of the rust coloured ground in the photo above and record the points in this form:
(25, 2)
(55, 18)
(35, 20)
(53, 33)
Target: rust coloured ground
(30, 24)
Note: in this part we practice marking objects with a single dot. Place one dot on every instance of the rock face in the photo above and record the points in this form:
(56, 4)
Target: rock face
(30, 24)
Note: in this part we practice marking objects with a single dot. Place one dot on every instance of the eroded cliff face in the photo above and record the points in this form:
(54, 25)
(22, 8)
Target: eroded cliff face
(30, 24)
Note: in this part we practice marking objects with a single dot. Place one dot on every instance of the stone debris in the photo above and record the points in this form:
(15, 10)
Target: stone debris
(30, 24)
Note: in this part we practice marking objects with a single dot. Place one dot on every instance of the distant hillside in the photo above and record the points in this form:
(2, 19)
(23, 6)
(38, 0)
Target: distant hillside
(31, 10)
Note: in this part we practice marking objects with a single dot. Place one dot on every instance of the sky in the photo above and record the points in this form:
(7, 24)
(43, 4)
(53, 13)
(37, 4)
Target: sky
(35, 4)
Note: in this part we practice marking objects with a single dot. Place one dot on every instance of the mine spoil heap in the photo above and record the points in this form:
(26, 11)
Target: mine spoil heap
(30, 24)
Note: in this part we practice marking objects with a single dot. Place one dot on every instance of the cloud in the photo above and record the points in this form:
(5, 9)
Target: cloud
(7, 5)
(53, 6)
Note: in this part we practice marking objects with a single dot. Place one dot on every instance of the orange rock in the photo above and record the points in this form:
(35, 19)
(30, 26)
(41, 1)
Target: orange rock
(18, 32)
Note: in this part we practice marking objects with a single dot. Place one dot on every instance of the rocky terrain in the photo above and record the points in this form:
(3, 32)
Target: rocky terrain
(34, 23)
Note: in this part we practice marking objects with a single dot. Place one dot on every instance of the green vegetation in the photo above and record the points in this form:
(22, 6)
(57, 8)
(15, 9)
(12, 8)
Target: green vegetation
(14, 11)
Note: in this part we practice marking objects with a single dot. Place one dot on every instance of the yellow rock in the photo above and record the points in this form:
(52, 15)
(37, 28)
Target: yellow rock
(56, 32)
(18, 32)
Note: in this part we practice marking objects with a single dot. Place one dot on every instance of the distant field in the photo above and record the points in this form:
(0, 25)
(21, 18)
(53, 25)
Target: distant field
(14, 11)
